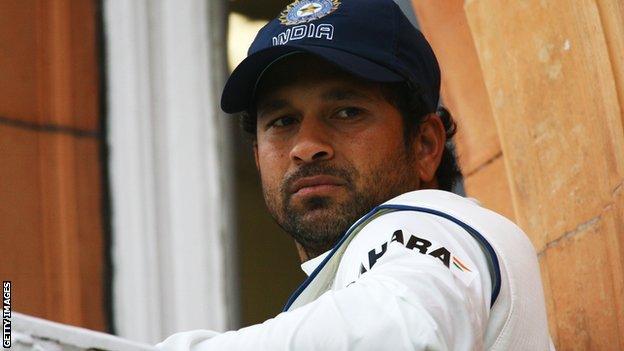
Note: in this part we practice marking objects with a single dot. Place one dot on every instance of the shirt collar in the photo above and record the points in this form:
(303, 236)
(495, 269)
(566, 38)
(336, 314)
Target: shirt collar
(310, 265)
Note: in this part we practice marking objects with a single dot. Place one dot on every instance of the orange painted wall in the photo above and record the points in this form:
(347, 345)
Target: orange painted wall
(51, 225)
(550, 77)
(464, 93)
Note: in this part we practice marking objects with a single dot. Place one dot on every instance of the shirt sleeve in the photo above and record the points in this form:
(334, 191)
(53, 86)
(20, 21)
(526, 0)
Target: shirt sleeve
(408, 281)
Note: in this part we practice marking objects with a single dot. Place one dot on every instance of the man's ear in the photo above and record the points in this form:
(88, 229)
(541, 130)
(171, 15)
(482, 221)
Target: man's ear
(255, 151)
(429, 146)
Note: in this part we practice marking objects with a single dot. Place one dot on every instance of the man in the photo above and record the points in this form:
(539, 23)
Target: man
(340, 97)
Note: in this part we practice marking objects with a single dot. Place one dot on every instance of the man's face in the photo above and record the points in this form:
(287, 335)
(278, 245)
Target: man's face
(329, 149)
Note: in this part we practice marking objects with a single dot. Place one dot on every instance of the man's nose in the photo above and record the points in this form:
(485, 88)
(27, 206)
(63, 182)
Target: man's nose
(312, 143)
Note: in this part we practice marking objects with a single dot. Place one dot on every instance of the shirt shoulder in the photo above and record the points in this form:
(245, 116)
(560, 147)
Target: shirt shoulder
(431, 243)
(480, 248)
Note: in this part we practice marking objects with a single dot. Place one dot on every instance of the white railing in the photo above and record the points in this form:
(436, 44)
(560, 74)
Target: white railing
(30, 333)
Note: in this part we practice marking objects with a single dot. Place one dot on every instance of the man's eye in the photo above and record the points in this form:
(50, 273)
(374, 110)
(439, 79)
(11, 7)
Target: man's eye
(283, 122)
(349, 112)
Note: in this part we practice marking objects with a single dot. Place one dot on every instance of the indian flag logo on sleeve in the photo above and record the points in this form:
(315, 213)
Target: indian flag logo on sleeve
(460, 265)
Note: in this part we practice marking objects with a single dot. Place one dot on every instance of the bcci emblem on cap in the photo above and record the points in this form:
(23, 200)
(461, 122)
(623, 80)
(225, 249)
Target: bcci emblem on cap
(303, 11)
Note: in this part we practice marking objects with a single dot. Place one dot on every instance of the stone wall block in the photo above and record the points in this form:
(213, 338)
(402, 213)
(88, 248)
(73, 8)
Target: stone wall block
(587, 300)
(548, 74)
(463, 90)
(490, 186)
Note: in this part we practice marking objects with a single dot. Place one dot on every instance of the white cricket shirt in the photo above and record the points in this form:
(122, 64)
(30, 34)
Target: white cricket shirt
(427, 270)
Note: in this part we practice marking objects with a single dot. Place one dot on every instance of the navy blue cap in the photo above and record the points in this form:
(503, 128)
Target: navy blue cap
(371, 39)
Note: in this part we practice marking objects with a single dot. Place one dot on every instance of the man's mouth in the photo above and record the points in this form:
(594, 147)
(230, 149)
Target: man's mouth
(316, 185)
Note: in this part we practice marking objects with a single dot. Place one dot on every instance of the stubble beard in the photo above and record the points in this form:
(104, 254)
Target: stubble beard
(318, 222)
